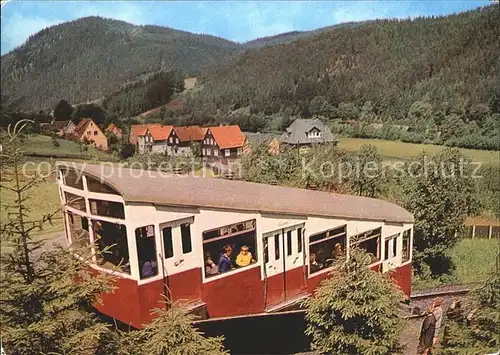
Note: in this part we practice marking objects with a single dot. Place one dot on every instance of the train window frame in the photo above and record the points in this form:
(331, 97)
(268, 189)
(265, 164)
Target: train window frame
(337, 234)
(168, 255)
(391, 247)
(406, 254)
(144, 233)
(93, 182)
(187, 247)
(289, 242)
(78, 181)
(94, 208)
(101, 260)
(357, 239)
(224, 235)
(72, 198)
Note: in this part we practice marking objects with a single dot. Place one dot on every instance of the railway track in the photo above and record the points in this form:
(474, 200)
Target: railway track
(421, 300)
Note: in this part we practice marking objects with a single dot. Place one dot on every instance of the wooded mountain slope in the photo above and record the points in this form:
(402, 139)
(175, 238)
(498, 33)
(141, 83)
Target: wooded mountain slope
(91, 57)
(449, 61)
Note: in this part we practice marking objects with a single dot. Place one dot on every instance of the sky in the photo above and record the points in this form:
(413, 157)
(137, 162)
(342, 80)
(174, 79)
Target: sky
(239, 21)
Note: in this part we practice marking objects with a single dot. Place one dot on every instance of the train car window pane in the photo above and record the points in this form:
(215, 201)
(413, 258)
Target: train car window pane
(299, 240)
(289, 243)
(146, 251)
(111, 241)
(386, 249)
(107, 208)
(277, 247)
(168, 246)
(369, 242)
(266, 250)
(327, 249)
(394, 247)
(95, 185)
(75, 201)
(72, 179)
(231, 248)
(406, 245)
(186, 238)
(79, 230)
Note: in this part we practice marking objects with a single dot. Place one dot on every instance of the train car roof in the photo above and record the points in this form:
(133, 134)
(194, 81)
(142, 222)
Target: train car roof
(166, 189)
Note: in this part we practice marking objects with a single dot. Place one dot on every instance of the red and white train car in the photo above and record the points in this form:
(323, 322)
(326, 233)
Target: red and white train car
(170, 233)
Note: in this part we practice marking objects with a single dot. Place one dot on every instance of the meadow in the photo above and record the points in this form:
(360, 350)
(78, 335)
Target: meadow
(40, 145)
(395, 150)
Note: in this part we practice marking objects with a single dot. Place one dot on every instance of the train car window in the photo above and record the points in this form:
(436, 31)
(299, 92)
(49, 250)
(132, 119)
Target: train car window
(79, 230)
(326, 249)
(75, 201)
(107, 208)
(391, 247)
(186, 238)
(299, 240)
(368, 241)
(72, 179)
(146, 251)
(395, 247)
(266, 251)
(111, 242)
(95, 185)
(289, 243)
(386, 249)
(229, 248)
(406, 245)
(168, 246)
(277, 247)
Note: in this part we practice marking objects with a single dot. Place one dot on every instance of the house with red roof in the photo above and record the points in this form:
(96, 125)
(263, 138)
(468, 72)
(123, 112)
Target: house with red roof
(115, 130)
(150, 138)
(223, 145)
(89, 132)
(186, 136)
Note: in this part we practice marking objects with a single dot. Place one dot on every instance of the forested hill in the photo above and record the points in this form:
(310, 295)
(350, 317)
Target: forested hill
(381, 67)
(92, 57)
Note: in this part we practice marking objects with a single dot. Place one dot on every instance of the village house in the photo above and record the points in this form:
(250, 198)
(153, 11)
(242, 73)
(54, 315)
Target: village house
(89, 132)
(255, 139)
(223, 145)
(115, 130)
(303, 133)
(186, 136)
(60, 128)
(154, 139)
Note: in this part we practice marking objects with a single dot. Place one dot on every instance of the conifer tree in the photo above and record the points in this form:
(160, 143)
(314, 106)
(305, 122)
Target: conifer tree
(171, 333)
(482, 333)
(355, 311)
(46, 293)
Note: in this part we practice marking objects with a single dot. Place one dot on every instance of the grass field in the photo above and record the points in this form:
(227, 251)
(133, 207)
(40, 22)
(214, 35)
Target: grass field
(42, 145)
(42, 199)
(474, 259)
(394, 150)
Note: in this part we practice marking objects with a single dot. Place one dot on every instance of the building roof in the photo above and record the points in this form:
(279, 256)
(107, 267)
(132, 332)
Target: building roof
(158, 131)
(154, 187)
(81, 126)
(137, 130)
(296, 133)
(55, 125)
(228, 136)
(190, 133)
(112, 128)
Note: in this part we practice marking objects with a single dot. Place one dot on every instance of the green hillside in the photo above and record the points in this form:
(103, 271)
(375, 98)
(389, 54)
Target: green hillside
(91, 57)
(381, 66)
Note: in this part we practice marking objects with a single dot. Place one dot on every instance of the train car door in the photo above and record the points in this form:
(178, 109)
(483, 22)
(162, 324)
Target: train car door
(273, 268)
(284, 264)
(180, 261)
(295, 276)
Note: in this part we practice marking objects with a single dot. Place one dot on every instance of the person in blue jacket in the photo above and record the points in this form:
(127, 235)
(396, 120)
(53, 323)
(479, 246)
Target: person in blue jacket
(225, 263)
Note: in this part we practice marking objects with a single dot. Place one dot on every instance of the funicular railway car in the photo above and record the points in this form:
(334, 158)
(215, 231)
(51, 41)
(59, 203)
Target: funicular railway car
(224, 248)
